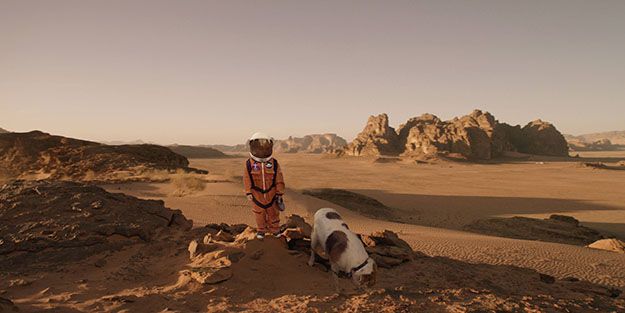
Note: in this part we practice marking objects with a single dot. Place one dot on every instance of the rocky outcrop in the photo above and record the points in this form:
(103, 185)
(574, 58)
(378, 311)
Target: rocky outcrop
(3, 131)
(377, 138)
(39, 155)
(557, 228)
(323, 143)
(477, 136)
(50, 221)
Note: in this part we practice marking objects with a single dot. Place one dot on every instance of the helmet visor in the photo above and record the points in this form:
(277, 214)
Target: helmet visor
(261, 148)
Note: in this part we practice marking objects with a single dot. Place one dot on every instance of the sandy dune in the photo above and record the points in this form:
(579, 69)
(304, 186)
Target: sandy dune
(440, 199)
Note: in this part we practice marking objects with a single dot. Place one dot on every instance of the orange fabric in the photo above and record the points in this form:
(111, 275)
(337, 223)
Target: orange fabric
(268, 220)
(262, 175)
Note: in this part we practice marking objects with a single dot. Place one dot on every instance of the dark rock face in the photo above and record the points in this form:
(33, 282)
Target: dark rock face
(377, 138)
(477, 136)
(542, 138)
(46, 221)
(40, 155)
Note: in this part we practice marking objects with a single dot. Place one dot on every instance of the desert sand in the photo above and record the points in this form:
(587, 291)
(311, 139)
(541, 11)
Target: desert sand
(437, 200)
(454, 271)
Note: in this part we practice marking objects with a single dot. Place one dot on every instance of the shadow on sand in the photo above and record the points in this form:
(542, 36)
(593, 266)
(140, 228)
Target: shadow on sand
(454, 212)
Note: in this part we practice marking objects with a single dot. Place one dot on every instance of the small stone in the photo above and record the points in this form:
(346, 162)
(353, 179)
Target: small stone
(224, 236)
(192, 249)
(100, 263)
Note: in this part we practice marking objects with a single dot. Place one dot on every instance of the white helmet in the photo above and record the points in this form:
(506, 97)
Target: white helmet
(260, 135)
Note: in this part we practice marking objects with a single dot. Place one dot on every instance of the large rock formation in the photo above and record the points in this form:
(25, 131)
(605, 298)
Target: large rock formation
(317, 143)
(474, 136)
(477, 136)
(51, 221)
(39, 155)
(377, 138)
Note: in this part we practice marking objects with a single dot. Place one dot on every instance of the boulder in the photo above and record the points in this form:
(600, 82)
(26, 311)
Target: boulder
(377, 138)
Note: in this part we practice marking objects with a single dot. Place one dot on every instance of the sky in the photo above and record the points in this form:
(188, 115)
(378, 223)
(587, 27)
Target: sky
(214, 72)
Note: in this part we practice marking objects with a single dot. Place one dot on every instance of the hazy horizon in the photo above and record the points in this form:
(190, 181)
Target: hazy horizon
(204, 72)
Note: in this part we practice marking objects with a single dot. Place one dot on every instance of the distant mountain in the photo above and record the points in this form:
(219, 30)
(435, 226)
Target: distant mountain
(228, 148)
(3, 131)
(119, 142)
(615, 137)
(197, 152)
(605, 141)
(315, 143)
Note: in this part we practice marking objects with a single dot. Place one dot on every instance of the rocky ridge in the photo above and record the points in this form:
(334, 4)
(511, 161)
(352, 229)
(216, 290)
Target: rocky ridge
(38, 155)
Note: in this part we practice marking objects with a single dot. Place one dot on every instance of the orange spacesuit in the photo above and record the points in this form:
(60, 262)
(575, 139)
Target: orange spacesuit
(264, 184)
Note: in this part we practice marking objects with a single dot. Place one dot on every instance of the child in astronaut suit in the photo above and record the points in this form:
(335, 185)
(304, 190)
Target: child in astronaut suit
(264, 185)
